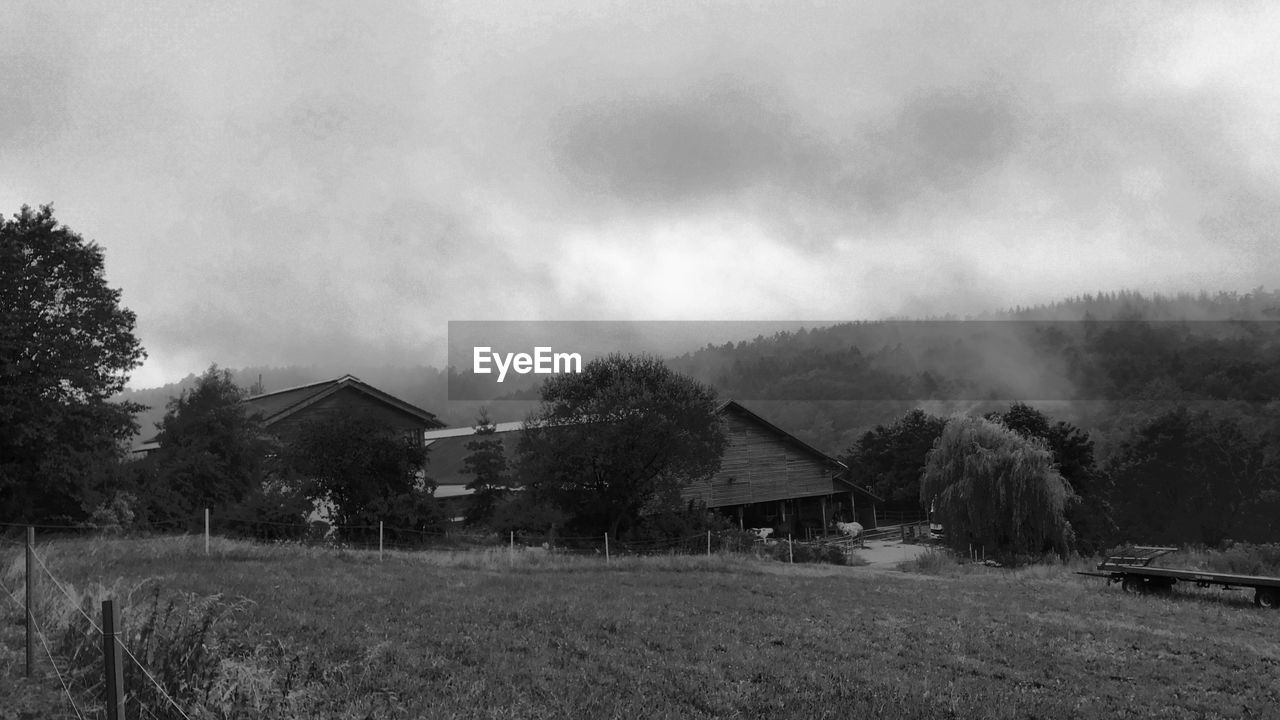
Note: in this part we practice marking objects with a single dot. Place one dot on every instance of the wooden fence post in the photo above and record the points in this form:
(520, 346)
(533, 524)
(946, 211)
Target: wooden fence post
(708, 543)
(31, 581)
(113, 660)
(606, 548)
(206, 531)
(379, 541)
(511, 553)
(790, 552)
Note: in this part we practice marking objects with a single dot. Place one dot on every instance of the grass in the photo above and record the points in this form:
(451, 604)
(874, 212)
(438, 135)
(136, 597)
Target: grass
(308, 632)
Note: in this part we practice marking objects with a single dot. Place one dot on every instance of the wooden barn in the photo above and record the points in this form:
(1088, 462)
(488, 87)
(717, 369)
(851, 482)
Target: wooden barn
(770, 478)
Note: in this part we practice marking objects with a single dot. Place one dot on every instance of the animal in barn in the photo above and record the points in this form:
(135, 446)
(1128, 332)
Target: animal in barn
(850, 529)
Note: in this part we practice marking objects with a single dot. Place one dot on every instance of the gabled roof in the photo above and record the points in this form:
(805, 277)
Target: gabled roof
(278, 405)
(843, 470)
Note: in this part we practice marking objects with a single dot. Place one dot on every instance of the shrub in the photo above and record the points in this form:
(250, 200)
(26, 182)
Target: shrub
(808, 553)
(933, 561)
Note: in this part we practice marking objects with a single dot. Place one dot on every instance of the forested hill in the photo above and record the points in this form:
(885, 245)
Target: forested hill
(1097, 360)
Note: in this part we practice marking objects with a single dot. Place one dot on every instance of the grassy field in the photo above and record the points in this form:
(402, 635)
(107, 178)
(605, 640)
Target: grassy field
(259, 631)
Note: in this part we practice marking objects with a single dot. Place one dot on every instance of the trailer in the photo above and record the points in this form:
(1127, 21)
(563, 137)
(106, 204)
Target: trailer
(1135, 573)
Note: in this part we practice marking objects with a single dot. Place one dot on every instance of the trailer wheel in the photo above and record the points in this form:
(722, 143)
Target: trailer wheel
(1267, 598)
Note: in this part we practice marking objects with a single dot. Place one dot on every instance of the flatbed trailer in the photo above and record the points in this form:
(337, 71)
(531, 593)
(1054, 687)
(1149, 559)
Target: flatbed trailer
(1135, 573)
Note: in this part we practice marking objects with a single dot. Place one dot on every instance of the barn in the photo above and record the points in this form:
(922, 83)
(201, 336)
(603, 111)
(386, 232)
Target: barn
(768, 477)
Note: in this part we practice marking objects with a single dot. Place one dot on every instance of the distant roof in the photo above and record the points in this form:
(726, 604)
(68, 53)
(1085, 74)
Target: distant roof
(430, 435)
(280, 404)
(447, 451)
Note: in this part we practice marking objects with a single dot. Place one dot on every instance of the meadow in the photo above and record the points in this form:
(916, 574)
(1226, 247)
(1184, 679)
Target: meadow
(292, 632)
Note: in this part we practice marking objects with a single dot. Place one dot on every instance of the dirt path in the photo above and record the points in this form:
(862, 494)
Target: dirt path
(886, 554)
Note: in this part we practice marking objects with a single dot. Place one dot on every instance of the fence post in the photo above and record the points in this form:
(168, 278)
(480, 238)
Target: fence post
(206, 531)
(708, 543)
(606, 548)
(31, 581)
(379, 541)
(790, 552)
(113, 661)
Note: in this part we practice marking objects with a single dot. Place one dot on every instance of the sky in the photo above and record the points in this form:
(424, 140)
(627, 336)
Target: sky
(325, 183)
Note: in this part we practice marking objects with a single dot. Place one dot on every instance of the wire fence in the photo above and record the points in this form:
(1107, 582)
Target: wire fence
(387, 536)
(68, 651)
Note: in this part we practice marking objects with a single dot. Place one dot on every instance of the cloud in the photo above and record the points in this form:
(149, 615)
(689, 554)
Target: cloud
(303, 182)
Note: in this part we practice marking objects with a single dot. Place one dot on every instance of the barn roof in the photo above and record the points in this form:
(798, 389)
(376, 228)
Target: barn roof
(280, 404)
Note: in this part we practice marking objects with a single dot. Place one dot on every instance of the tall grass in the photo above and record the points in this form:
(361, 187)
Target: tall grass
(1237, 558)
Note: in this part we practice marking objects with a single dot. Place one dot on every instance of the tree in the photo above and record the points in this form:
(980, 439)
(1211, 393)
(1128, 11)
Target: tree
(367, 472)
(889, 459)
(212, 451)
(611, 443)
(66, 347)
(1187, 477)
(996, 489)
(487, 461)
(1089, 511)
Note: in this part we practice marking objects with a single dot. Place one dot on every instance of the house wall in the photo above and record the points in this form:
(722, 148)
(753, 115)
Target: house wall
(760, 466)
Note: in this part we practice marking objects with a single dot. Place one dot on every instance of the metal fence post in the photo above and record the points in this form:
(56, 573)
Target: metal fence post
(206, 531)
(790, 553)
(113, 661)
(31, 581)
(606, 548)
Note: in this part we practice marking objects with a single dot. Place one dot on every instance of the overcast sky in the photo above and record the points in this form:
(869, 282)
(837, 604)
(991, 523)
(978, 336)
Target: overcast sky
(276, 183)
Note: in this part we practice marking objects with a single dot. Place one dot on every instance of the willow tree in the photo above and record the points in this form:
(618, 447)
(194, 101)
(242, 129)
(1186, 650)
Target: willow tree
(993, 488)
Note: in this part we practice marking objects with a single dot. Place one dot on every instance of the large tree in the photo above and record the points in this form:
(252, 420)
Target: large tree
(66, 347)
(889, 459)
(366, 472)
(212, 451)
(994, 488)
(619, 439)
(1198, 477)
(1089, 511)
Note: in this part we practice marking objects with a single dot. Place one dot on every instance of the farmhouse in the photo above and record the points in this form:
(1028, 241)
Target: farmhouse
(768, 477)
(282, 411)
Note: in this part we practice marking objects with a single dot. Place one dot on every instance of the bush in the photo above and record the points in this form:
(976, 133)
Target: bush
(663, 531)
(808, 553)
(933, 561)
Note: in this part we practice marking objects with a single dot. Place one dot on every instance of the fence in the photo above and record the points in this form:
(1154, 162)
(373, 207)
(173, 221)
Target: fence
(114, 649)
